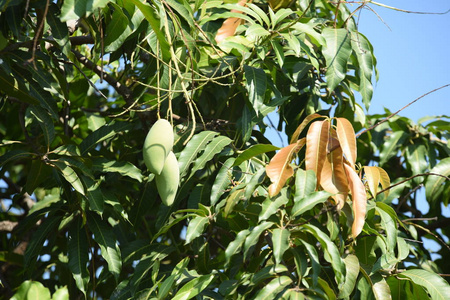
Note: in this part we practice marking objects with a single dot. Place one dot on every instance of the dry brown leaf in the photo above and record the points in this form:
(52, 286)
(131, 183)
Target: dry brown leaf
(347, 139)
(333, 178)
(302, 126)
(230, 25)
(373, 179)
(316, 146)
(279, 169)
(359, 200)
(385, 180)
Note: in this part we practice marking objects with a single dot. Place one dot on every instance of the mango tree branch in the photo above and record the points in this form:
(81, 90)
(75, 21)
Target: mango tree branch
(387, 118)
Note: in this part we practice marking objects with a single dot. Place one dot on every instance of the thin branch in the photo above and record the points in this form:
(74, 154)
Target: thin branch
(124, 91)
(387, 118)
(407, 179)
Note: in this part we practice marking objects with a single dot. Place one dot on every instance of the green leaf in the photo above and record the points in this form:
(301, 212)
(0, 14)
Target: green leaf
(45, 122)
(416, 157)
(78, 253)
(61, 294)
(104, 236)
(437, 287)
(314, 258)
(152, 17)
(102, 134)
(185, 11)
(434, 185)
(337, 53)
(352, 271)
(222, 181)
(254, 236)
(380, 288)
(31, 290)
(332, 254)
(94, 194)
(280, 240)
(256, 85)
(124, 168)
(76, 9)
(307, 203)
(270, 290)
(37, 240)
(115, 28)
(193, 147)
(195, 228)
(236, 245)
(271, 206)
(59, 29)
(36, 175)
(193, 287)
(390, 227)
(216, 146)
(14, 87)
(390, 146)
(14, 155)
(70, 175)
(363, 52)
(254, 151)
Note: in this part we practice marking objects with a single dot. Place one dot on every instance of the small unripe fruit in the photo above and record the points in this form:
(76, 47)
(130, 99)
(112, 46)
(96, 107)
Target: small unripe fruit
(157, 145)
(167, 181)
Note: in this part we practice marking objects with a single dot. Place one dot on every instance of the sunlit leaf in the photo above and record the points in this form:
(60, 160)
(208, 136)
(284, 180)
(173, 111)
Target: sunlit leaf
(308, 202)
(390, 146)
(195, 228)
(305, 183)
(302, 126)
(316, 146)
(435, 184)
(279, 169)
(347, 139)
(230, 25)
(236, 245)
(275, 286)
(385, 180)
(31, 290)
(254, 151)
(280, 240)
(352, 271)
(254, 236)
(373, 179)
(358, 198)
(271, 205)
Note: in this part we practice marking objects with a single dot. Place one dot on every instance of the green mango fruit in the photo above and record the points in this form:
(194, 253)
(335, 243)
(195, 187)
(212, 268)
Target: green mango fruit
(167, 182)
(157, 145)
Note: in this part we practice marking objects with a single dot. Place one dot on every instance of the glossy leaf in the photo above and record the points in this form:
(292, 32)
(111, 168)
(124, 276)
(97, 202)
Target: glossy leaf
(275, 286)
(45, 122)
(222, 181)
(31, 290)
(102, 134)
(279, 169)
(305, 183)
(303, 125)
(434, 185)
(38, 173)
(352, 271)
(193, 287)
(196, 228)
(359, 200)
(363, 52)
(193, 147)
(385, 181)
(124, 168)
(236, 245)
(380, 288)
(280, 240)
(308, 202)
(234, 197)
(337, 53)
(254, 236)
(316, 146)
(253, 151)
(271, 205)
(390, 146)
(332, 254)
(78, 254)
(70, 175)
(256, 85)
(436, 286)
(213, 148)
(347, 139)
(104, 236)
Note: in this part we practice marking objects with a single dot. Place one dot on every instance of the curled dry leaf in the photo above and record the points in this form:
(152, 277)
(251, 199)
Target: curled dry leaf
(230, 25)
(347, 139)
(279, 169)
(359, 200)
(317, 146)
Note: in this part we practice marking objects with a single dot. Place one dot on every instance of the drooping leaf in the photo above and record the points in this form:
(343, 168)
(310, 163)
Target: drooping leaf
(303, 125)
(279, 169)
(352, 271)
(385, 180)
(236, 245)
(234, 197)
(193, 287)
(416, 157)
(358, 198)
(102, 134)
(305, 183)
(337, 53)
(280, 240)
(254, 236)
(314, 258)
(364, 55)
(380, 288)
(333, 178)
(316, 146)
(104, 236)
(70, 175)
(78, 254)
(94, 195)
(223, 180)
(332, 254)
(390, 227)
(435, 184)
(347, 139)
(193, 147)
(124, 168)
(36, 175)
(390, 146)
(45, 122)
(256, 85)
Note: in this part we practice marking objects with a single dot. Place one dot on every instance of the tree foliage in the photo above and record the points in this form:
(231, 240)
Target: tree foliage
(333, 214)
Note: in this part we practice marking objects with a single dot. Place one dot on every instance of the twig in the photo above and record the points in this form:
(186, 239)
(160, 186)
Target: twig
(393, 114)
